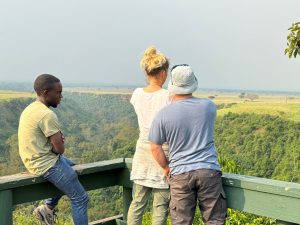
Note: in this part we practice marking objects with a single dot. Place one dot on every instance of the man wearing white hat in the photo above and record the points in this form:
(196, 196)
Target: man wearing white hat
(187, 124)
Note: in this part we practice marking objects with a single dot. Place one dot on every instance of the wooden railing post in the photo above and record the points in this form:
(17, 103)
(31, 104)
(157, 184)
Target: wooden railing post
(6, 207)
(127, 198)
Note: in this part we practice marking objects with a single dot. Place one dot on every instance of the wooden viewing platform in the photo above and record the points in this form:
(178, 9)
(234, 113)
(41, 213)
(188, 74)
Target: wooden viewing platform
(264, 197)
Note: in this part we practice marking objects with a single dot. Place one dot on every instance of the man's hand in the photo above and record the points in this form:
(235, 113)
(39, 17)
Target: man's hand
(160, 157)
(62, 137)
(166, 171)
(57, 141)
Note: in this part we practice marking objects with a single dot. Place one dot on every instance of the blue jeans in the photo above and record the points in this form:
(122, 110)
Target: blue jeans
(64, 177)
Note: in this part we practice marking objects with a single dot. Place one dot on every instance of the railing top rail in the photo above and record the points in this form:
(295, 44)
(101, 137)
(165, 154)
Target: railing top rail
(265, 197)
(262, 185)
(23, 179)
(235, 180)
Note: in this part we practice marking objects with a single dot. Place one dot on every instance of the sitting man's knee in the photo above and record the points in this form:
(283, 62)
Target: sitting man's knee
(86, 198)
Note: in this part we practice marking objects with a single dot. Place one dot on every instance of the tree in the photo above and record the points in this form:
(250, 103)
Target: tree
(293, 43)
(251, 96)
(242, 95)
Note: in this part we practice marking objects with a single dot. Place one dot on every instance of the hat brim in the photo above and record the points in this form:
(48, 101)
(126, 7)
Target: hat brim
(183, 90)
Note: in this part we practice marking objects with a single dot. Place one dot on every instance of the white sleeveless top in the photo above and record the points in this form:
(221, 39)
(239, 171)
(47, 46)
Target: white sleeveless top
(145, 170)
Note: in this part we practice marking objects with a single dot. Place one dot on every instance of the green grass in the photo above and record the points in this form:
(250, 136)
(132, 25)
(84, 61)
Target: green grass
(287, 107)
(234, 217)
(23, 214)
(5, 95)
(289, 111)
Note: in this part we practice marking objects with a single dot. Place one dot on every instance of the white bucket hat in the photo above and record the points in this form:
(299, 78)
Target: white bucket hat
(183, 80)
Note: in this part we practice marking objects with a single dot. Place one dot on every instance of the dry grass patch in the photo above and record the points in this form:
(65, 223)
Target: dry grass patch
(5, 95)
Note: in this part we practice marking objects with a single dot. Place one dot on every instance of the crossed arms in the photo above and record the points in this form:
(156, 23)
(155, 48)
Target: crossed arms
(57, 140)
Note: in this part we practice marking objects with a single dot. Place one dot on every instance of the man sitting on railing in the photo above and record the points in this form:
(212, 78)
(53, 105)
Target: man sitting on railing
(41, 145)
(187, 125)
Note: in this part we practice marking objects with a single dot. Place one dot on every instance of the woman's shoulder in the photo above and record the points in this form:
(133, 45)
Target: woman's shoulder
(165, 91)
(137, 91)
(141, 91)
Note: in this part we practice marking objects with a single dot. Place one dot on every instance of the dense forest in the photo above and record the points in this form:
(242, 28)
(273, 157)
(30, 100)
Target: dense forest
(100, 127)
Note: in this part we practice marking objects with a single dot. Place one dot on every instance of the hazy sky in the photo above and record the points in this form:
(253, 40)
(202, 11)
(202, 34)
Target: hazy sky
(229, 43)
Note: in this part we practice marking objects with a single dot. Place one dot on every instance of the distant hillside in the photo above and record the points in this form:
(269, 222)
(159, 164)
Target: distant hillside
(261, 138)
(100, 127)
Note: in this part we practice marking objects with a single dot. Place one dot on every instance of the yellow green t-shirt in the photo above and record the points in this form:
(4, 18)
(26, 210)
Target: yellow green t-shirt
(37, 124)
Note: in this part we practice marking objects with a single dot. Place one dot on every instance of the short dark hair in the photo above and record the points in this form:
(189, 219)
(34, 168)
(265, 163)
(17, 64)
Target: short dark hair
(44, 82)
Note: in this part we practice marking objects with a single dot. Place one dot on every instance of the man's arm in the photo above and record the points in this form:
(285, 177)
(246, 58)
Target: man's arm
(160, 157)
(57, 141)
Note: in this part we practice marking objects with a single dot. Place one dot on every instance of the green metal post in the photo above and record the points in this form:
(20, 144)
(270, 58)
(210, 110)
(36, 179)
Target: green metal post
(127, 198)
(6, 207)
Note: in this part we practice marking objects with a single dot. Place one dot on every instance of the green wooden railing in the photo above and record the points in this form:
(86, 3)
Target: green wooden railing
(263, 197)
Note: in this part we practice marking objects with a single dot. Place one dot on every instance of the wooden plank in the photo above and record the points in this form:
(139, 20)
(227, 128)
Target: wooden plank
(262, 185)
(264, 204)
(99, 166)
(107, 221)
(44, 190)
(128, 163)
(20, 179)
(278, 222)
(127, 198)
(265, 197)
(124, 178)
(6, 207)
(23, 179)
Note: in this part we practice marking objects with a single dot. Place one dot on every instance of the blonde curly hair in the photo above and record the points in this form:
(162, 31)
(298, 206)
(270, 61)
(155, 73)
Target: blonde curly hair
(153, 62)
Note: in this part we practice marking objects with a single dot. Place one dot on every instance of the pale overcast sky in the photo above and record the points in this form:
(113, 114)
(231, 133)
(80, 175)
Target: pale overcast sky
(230, 44)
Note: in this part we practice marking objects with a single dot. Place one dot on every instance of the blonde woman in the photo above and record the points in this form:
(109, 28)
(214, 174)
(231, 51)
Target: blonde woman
(147, 176)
